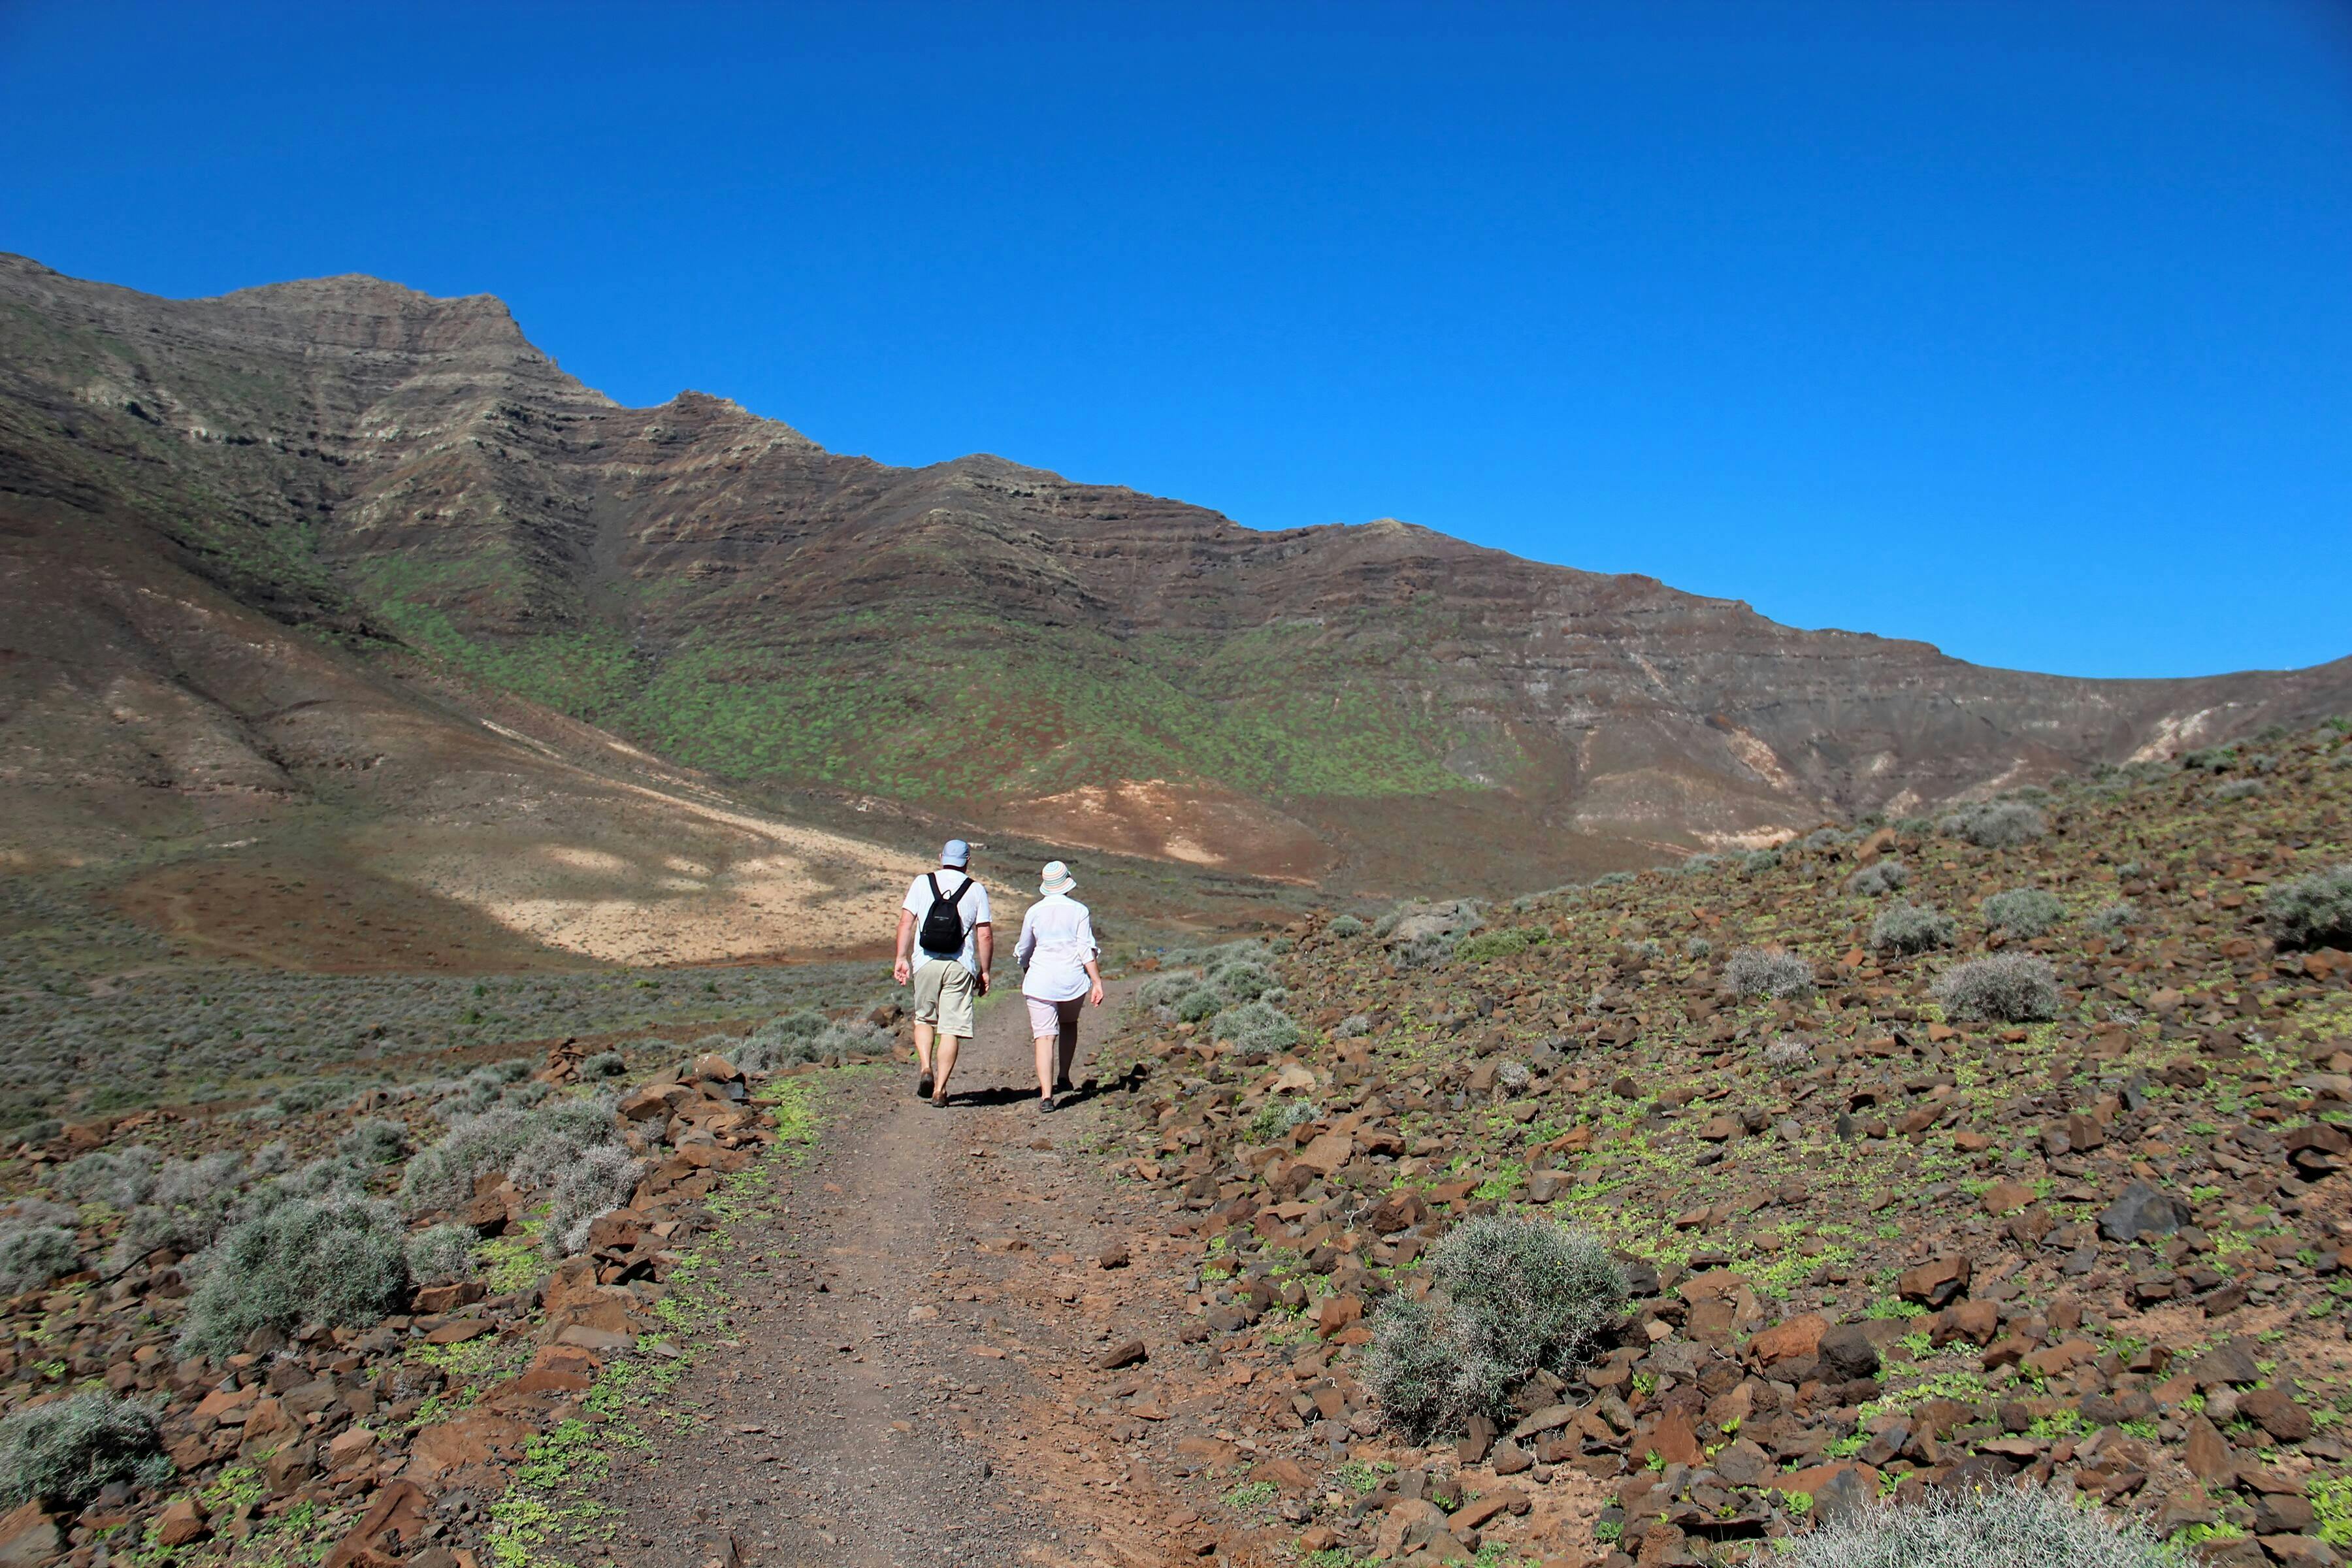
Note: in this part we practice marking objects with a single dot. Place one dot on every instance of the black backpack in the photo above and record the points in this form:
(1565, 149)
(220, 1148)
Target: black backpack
(943, 934)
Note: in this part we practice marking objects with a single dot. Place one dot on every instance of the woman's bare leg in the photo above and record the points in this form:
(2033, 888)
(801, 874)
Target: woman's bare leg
(1045, 1044)
(1069, 1042)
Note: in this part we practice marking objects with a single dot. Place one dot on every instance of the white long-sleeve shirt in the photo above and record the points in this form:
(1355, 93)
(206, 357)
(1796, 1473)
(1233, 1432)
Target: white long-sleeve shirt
(1057, 939)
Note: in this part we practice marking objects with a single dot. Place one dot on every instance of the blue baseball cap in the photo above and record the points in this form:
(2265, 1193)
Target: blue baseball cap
(955, 853)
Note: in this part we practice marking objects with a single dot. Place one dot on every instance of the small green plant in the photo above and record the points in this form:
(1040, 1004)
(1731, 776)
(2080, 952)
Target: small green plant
(1250, 1496)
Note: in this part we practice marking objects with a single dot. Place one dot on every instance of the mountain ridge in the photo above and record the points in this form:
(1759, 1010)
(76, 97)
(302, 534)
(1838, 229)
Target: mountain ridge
(1378, 705)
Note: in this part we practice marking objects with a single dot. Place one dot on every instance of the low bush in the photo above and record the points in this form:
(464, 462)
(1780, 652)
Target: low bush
(1200, 1004)
(1279, 1116)
(2312, 910)
(66, 1452)
(1501, 943)
(1769, 971)
(2240, 789)
(1243, 981)
(1255, 1029)
(1645, 951)
(2209, 759)
(2014, 1526)
(606, 1065)
(2022, 912)
(1757, 860)
(441, 1255)
(1996, 824)
(1698, 947)
(122, 1179)
(1908, 928)
(1345, 926)
(341, 1262)
(1167, 988)
(1789, 1053)
(2007, 988)
(33, 1255)
(443, 1176)
(2112, 917)
(601, 1178)
(1510, 1296)
(1422, 953)
(1878, 878)
(375, 1140)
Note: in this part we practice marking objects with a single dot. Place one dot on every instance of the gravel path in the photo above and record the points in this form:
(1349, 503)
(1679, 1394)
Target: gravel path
(912, 1320)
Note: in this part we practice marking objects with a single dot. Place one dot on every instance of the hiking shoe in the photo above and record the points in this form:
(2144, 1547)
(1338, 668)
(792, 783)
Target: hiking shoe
(1045, 1104)
(923, 1087)
(939, 1102)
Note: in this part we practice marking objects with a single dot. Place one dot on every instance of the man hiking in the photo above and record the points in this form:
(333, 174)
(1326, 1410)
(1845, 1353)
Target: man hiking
(945, 917)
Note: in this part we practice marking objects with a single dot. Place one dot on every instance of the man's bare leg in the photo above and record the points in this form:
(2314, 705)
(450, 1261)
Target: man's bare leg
(949, 1045)
(923, 1048)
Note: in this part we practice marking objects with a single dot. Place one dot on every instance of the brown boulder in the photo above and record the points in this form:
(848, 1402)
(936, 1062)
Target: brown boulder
(30, 1537)
(474, 1439)
(394, 1520)
(1794, 1340)
(2276, 1413)
(182, 1522)
(1935, 1284)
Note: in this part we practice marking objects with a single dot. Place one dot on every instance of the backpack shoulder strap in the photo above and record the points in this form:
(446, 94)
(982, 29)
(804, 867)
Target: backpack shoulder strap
(963, 887)
(933, 878)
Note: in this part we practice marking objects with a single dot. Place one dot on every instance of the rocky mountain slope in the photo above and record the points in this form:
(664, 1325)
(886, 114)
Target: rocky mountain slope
(362, 468)
(1888, 1230)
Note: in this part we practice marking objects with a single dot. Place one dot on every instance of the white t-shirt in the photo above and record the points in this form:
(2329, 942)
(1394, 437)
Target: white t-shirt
(1057, 938)
(972, 909)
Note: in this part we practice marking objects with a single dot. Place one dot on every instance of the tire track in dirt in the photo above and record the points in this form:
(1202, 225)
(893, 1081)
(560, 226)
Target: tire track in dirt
(916, 1338)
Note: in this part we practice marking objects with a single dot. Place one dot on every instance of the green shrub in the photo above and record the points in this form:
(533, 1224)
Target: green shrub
(443, 1176)
(1199, 1003)
(1509, 1296)
(341, 1262)
(33, 1255)
(1279, 1116)
(1913, 827)
(2007, 988)
(122, 1179)
(1422, 953)
(1345, 926)
(2313, 910)
(1255, 1029)
(66, 1452)
(2022, 912)
(1167, 988)
(1907, 928)
(1769, 971)
(1698, 947)
(1500, 942)
(2012, 1526)
(2112, 917)
(441, 1255)
(2240, 789)
(375, 1140)
(1757, 860)
(606, 1065)
(601, 1178)
(1243, 981)
(1878, 878)
(1645, 951)
(2209, 759)
(1995, 825)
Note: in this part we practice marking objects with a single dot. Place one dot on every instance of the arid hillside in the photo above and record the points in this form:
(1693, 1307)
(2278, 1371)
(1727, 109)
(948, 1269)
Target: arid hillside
(233, 525)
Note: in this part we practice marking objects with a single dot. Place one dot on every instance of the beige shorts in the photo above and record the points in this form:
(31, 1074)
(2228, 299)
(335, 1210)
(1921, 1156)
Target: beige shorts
(1049, 1019)
(944, 989)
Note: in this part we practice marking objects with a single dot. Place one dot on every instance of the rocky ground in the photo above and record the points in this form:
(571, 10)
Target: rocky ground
(1874, 1246)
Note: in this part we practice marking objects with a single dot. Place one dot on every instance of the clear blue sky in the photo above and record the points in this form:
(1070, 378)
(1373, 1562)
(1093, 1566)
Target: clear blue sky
(2025, 329)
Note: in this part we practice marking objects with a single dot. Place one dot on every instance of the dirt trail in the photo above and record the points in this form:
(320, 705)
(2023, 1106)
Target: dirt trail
(917, 1345)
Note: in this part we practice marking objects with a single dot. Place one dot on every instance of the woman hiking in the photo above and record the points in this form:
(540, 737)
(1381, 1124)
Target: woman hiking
(1060, 974)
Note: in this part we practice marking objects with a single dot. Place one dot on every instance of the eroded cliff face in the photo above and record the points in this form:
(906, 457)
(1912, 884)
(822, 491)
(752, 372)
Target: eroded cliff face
(1380, 705)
